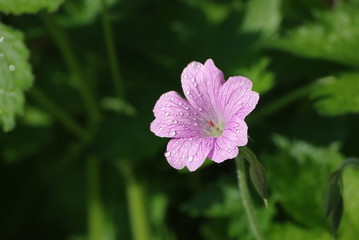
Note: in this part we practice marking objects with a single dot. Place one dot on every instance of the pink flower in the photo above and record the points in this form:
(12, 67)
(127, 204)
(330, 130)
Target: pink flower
(210, 123)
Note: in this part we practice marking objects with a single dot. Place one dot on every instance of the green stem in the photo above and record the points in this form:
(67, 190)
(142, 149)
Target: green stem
(67, 52)
(96, 214)
(136, 203)
(242, 183)
(58, 113)
(282, 102)
(111, 52)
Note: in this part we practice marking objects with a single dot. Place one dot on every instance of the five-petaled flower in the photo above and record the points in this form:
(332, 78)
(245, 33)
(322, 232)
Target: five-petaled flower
(211, 123)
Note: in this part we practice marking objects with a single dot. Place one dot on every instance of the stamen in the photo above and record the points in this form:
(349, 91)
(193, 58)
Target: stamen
(211, 123)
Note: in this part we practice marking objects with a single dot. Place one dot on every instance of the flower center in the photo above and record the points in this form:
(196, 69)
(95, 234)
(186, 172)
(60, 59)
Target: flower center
(215, 129)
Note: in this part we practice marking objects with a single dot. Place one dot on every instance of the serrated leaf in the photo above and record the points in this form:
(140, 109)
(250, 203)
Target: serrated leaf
(333, 36)
(15, 75)
(337, 96)
(29, 6)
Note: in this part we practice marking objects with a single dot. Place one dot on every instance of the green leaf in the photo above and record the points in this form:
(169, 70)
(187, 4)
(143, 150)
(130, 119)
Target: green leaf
(293, 232)
(263, 80)
(15, 75)
(337, 96)
(262, 16)
(301, 169)
(333, 36)
(29, 6)
(348, 228)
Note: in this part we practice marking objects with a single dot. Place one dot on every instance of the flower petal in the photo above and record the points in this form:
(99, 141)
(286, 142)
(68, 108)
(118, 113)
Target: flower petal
(190, 152)
(201, 84)
(175, 117)
(235, 134)
(236, 98)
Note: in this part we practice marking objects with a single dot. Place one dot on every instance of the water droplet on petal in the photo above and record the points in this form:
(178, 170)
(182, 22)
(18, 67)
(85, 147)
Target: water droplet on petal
(163, 108)
(167, 113)
(12, 68)
(167, 154)
(174, 121)
(188, 93)
(195, 84)
(190, 158)
(172, 133)
(181, 113)
(185, 76)
(161, 128)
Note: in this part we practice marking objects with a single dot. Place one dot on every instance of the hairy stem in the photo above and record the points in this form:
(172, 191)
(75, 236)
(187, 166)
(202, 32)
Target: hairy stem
(247, 203)
(58, 113)
(96, 214)
(136, 203)
(67, 52)
(111, 52)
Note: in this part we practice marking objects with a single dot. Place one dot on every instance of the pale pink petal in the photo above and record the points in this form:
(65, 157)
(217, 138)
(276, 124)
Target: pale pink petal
(236, 98)
(175, 118)
(201, 84)
(234, 135)
(190, 152)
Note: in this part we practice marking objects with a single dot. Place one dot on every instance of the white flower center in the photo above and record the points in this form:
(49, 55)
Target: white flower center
(215, 129)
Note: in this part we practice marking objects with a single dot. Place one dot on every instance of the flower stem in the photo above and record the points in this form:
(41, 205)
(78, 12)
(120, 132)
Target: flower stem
(58, 113)
(242, 183)
(136, 203)
(67, 52)
(96, 214)
(111, 52)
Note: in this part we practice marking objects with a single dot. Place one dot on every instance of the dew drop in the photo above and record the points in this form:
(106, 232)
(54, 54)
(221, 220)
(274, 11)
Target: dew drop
(163, 108)
(181, 113)
(190, 158)
(161, 128)
(192, 79)
(174, 121)
(172, 133)
(201, 109)
(180, 103)
(167, 154)
(167, 113)
(188, 93)
(172, 98)
(195, 84)
(185, 76)
(12, 68)
(186, 108)
(176, 141)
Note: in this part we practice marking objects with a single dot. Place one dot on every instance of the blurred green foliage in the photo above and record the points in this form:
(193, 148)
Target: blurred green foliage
(82, 162)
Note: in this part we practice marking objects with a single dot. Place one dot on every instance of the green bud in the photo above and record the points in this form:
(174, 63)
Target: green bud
(256, 173)
(333, 200)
